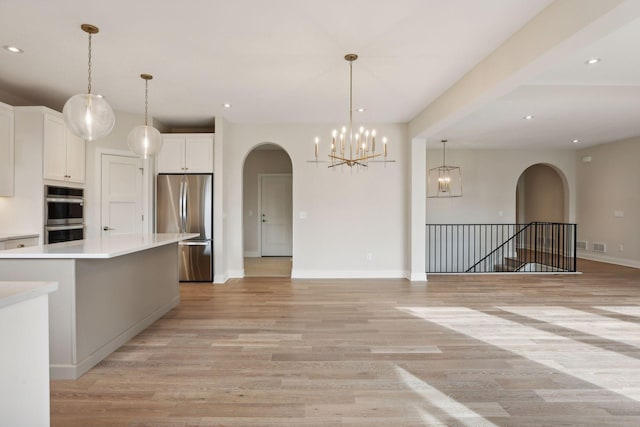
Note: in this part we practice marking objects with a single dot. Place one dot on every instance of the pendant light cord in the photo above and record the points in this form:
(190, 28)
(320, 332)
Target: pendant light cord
(89, 86)
(146, 100)
(443, 153)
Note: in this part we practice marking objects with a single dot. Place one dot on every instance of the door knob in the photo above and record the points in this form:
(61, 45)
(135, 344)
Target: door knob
(107, 228)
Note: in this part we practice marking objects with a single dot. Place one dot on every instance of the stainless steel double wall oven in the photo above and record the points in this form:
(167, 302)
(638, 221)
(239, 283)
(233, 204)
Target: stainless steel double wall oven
(64, 214)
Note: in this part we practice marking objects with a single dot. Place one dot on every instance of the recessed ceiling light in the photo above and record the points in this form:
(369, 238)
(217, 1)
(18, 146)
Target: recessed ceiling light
(226, 105)
(575, 141)
(12, 49)
(529, 117)
(592, 61)
(361, 110)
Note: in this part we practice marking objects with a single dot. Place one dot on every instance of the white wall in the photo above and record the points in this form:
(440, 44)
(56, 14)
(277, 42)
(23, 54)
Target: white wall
(489, 181)
(610, 182)
(349, 214)
(258, 162)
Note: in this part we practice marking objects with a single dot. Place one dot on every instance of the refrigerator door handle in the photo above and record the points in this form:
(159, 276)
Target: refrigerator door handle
(183, 198)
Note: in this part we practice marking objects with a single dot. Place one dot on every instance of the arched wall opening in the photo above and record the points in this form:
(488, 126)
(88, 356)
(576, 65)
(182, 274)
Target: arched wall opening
(542, 195)
(267, 211)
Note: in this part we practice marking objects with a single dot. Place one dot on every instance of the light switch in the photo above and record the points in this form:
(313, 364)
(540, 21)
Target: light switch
(302, 214)
(618, 214)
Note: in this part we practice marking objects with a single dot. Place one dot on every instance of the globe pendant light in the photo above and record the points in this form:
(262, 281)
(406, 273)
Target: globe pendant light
(87, 115)
(145, 140)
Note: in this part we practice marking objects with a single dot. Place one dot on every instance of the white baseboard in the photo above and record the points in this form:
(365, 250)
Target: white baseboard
(610, 260)
(73, 372)
(220, 278)
(252, 254)
(235, 274)
(348, 274)
(418, 277)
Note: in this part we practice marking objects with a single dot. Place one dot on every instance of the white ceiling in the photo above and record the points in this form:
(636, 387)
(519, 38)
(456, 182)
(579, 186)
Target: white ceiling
(281, 61)
(594, 104)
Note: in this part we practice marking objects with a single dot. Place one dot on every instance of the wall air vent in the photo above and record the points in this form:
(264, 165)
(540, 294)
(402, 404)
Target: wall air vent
(599, 247)
(582, 245)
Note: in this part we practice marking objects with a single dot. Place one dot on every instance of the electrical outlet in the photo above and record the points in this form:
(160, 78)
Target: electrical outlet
(621, 248)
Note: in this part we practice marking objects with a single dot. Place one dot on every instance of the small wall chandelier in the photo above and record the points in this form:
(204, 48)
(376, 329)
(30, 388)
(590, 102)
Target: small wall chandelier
(145, 140)
(444, 181)
(87, 115)
(352, 148)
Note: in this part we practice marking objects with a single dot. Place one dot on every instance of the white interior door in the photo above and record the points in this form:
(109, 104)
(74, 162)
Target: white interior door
(121, 195)
(276, 215)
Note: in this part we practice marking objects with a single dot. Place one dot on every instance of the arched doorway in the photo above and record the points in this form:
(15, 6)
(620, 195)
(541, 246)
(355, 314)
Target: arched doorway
(267, 212)
(541, 195)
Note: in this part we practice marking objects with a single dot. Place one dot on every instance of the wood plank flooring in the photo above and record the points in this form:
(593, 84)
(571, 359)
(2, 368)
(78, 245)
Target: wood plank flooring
(267, 267)
(504, 350)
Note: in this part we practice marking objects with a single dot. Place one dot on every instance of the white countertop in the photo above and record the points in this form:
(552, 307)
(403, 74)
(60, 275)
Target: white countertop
(104, 247)
(14, 292)
(13, 236)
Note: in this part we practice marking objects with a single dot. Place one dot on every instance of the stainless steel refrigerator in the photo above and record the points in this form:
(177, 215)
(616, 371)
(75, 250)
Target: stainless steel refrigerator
(184, 205)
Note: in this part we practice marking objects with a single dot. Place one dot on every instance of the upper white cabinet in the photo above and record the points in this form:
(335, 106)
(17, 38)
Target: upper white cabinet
(7, 145)
(186, 153)
(63, 151)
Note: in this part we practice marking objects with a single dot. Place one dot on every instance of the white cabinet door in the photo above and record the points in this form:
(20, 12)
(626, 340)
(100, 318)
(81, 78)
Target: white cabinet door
(199, 153)
(7, 145)
(171, 156)
(55, 151)
(63, 157)
(75, 158)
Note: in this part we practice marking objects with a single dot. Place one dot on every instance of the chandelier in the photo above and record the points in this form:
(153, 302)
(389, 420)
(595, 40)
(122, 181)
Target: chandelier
(352, 147)
(444, 181)
(89, 116)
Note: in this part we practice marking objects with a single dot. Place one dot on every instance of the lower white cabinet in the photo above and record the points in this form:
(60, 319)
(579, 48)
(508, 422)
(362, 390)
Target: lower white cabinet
(20, 243)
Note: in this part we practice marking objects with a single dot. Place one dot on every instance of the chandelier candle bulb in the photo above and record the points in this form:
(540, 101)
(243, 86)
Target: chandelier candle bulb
(316, 147)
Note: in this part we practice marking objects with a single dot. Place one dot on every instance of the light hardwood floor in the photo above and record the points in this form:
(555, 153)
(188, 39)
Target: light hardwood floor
(461, 350)
(267, 267)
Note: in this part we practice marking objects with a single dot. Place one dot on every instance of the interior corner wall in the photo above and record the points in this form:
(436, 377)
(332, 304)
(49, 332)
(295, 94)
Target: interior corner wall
(489, 182)
(346, 223)
(609, 184)
(258, 162)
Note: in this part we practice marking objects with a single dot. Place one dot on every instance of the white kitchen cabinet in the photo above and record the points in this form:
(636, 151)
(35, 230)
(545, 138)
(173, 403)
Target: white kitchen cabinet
(7, 146)
(20, 243)
(186, 153)
(63, 151)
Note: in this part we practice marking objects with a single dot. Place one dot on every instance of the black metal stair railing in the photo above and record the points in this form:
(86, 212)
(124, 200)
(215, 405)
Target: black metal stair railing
(491, 248)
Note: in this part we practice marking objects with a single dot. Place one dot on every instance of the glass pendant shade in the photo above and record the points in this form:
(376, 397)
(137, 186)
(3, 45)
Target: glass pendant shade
(89, 116)
(145, 141)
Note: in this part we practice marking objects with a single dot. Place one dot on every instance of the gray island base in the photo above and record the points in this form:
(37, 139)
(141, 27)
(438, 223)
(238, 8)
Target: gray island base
(110, 289)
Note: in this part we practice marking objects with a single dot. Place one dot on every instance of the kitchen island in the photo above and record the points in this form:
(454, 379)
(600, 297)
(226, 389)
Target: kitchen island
(109, 290)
